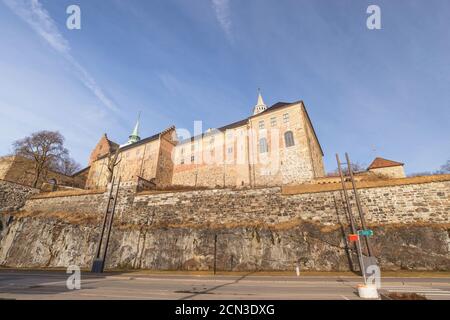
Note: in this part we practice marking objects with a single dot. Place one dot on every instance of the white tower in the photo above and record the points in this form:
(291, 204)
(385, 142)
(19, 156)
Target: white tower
(260, 105)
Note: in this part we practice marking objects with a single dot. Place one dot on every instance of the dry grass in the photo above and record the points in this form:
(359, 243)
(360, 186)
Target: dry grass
(377, 183)
(282, 226)
(411, 224)
(179, 189)
(70, 193)
(71, 218)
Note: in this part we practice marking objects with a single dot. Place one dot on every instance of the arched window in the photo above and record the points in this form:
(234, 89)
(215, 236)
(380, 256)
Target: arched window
(289, 139)
(263, 147)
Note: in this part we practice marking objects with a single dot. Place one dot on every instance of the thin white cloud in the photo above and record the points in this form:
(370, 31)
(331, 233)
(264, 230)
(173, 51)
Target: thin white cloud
(33, 13)
(222, 9)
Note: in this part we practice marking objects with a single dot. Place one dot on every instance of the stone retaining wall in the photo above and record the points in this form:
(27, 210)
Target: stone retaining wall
(256, 229)
(13, 195)
(412, 203)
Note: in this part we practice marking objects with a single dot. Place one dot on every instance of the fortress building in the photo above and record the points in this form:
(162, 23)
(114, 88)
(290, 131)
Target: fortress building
(274, 146)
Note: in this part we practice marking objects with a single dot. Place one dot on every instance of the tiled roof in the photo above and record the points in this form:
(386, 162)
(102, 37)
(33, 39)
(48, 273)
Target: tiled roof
(384, 163)
(240, 123)
(140, 142)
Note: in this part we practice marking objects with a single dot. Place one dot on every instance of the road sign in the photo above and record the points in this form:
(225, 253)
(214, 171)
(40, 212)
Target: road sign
(353, 237)
(366, 233)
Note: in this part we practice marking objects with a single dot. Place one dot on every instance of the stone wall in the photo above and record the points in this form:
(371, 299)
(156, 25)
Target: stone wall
(87, 202)
(13, 195)
(21, 170)
(256, 228)
(138, 161)
(391, 172)
(5, 164)
(411, 203)
(232, 157)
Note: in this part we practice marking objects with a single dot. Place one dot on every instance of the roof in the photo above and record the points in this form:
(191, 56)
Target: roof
(276, 106)
(236, 124)
(383, 163)
(142, 141)
(81, 171)
(240, 123)
(112, 144)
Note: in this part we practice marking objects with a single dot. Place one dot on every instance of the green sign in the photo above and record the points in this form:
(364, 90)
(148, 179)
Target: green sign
(366, 233)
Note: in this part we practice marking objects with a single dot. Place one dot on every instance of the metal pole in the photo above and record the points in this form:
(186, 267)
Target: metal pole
(104, 222)
(111, 222)
(350, 214)
(362, 262)
(215, 252)
(358, 204)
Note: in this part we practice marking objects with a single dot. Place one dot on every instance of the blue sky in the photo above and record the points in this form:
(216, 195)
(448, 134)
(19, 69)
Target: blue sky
(369, 92)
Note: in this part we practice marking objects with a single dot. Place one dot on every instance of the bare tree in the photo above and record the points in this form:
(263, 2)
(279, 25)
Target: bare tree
(67, 166)
(112, 163)
(356, 167)
(45, 148)
(445, 168)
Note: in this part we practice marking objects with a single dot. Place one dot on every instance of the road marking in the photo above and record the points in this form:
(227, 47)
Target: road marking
(345, 298)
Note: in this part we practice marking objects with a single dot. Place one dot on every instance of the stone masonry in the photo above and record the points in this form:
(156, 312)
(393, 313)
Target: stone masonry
(13, 195)
(258, 229)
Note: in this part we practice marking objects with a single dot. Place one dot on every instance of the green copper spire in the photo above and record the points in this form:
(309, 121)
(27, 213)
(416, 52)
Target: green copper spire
(134, 137)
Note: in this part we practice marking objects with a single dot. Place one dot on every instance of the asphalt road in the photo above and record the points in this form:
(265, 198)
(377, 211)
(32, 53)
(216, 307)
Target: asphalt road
(52, 285)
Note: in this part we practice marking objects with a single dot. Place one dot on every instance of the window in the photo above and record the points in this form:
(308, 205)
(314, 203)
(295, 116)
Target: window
(182, 150)
(192, 158)
(289, 139)
(230, 150)
(286, 117)
(273, 122)
(261, 124)
(263, 148)
(182, 161)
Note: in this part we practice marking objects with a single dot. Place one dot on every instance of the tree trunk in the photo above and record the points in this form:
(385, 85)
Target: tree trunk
(36, 179)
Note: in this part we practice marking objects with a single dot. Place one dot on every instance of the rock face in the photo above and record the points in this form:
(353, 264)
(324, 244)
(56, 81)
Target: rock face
(58, 243)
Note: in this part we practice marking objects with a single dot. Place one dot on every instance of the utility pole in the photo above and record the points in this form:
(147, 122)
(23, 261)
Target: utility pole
(215, 253)
(358, 204)
(350, 214)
